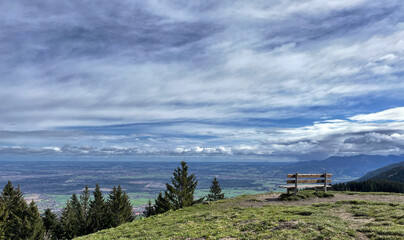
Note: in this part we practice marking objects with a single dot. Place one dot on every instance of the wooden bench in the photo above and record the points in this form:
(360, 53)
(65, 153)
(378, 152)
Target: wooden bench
(316, 181)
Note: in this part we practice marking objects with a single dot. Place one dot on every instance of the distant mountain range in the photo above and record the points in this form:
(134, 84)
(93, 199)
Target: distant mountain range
(347, 168)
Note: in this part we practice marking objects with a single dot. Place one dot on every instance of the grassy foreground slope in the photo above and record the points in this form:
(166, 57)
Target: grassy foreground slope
(261, 216)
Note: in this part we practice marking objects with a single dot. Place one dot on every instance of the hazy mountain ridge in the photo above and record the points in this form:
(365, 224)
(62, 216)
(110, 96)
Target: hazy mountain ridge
(352, 166)
(380, 171)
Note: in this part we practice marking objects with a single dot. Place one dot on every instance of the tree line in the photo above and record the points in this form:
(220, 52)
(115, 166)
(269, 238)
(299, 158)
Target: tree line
(84, 214)
(370, 186)
(81, 216)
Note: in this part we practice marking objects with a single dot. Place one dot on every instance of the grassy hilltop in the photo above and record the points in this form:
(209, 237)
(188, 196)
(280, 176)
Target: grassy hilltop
(345, 216)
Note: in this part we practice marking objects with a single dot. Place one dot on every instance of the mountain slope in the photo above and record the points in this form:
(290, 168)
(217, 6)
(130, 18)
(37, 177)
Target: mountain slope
(391, 180)
(378, 171)
(395, 174)
(263, 217)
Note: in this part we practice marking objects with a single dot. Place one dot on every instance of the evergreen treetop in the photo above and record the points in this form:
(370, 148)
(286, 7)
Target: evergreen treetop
(52, 225)
(181, 192)
(215, 192)
(149, 210)
(18, 219)
(119, 207)
(97, 213)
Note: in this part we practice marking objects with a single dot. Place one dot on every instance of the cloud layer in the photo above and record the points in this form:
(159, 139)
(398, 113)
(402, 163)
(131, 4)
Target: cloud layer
(286, 79)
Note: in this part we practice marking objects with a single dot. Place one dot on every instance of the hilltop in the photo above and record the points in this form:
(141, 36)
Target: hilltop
(347, 215)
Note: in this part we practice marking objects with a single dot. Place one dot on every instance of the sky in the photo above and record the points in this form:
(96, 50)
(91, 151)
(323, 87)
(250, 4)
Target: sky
(275, 80)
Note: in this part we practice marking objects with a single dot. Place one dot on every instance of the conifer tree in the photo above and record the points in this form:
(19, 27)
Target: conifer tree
(181, 192)
(52, 225)
(119, 207)
(72, 220)
(13, 202)
(3, 218)
(20, 220)
(67, 221)
(215, 192)
(79, 215)
(97, 212)
(162, 204)
(149, 210)
(35, 223)
(85, 205)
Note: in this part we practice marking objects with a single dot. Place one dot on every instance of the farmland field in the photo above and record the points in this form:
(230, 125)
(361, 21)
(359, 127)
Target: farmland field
(51, 183)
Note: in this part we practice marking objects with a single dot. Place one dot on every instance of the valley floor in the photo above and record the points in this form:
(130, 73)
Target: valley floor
(344, 216)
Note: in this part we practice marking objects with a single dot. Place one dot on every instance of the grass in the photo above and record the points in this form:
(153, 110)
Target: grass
(232, 219)
(387, 219)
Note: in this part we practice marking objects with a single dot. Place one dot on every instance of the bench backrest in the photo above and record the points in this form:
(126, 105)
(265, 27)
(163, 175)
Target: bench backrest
(325, 178)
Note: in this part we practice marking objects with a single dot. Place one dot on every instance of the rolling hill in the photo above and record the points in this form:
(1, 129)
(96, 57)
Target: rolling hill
(344, 216)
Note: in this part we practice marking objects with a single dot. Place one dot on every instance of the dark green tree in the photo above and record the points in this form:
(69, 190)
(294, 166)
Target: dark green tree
(181, 192)
(215, 192)
(3, 217)
(149, 210)
(35, 223)
(97, 212)
(72, 219)
(162, 204)
(67, 222)
(119, 207)
(52, 225)
(85, 205)
(19, 221)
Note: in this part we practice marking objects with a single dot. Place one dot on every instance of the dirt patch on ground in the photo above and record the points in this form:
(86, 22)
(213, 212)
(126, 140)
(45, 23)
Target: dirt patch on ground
(354, 222)
(287, 225)
(272, 198)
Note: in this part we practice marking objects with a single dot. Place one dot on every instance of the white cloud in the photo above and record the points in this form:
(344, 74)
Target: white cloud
(205, 72)
(394, 114)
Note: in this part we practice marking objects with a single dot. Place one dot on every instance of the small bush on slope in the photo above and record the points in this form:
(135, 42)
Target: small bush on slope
(305, 194)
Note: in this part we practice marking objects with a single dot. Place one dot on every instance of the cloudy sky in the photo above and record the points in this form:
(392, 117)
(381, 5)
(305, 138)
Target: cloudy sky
(277, 80)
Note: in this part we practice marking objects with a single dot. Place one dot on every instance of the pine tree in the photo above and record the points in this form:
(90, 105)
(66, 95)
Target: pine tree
(67, 221)
(72, 219)
(35, 223)
(181, 192)
(12, 200)
(162, 204)
(97, 212)
(215, 192)
(52, 225)
(149, 210)
(119, 207)
(20, 220)
(79, 216)
(3, 217)
(85, 205)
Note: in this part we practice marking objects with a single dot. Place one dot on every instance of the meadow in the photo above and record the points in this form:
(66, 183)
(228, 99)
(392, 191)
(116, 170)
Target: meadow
(360, 216)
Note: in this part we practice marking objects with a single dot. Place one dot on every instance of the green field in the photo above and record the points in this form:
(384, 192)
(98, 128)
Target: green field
(254, 217)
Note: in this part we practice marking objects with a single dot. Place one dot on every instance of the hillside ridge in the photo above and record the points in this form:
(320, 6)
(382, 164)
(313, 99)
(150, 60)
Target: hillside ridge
(378, 171)
(348, 215)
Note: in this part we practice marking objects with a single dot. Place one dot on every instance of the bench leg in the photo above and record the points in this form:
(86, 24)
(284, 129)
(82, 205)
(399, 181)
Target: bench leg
(296, 190)
(288, 191)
